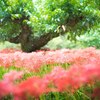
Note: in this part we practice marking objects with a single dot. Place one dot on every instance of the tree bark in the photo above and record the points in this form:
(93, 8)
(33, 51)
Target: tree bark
(30, 45)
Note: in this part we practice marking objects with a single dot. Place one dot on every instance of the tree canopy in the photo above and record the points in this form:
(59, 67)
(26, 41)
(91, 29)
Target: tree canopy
(35, 22)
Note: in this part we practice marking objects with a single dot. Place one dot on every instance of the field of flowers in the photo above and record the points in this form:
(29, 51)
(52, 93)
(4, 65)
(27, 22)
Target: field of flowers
(50, 75)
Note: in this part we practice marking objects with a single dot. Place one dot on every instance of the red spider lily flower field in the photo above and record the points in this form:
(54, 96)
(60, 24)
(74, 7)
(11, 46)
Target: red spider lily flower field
(50, 75)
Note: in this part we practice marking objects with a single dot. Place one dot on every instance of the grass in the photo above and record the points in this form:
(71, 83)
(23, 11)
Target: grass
(40, 72)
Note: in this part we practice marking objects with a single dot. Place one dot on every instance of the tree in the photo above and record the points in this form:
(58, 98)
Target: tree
(35, 22)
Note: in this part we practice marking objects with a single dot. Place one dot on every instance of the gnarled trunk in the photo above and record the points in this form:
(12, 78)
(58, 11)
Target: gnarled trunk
(37, 43)
(29, 44)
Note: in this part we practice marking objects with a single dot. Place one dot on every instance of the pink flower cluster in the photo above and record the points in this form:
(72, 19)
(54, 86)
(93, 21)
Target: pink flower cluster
(34, 60)
(7, 85)
(85, 69)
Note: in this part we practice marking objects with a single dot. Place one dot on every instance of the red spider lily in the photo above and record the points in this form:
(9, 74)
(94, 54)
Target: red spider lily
(63, 80)
(12, 76)
(34, 60)
(34, 86)
(6, 88)
(9, 50)
(6, 85)
(84, 69)
(74, 77)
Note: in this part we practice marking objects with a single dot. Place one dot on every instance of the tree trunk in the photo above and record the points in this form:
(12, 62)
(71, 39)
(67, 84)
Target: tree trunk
(37, 43)
(29, 44)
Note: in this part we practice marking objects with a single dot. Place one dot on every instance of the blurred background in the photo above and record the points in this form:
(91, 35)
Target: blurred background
(91, 39)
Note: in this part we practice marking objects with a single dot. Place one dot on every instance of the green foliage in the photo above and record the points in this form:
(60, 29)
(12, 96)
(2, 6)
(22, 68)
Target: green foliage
(6, 44)
(45, 16)
(89, 39)
(60, 42)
